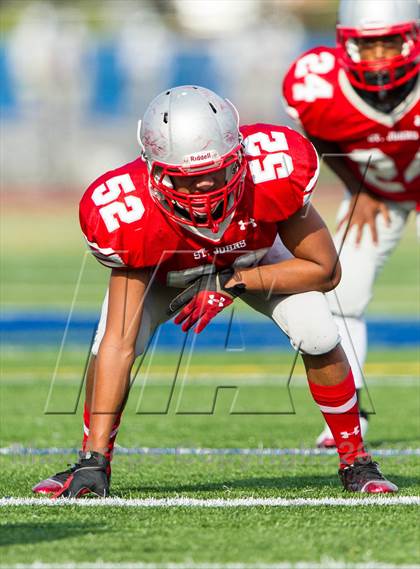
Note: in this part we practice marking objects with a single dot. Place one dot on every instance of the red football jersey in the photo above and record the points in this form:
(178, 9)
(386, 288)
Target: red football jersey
(320, 96)
(124, 227)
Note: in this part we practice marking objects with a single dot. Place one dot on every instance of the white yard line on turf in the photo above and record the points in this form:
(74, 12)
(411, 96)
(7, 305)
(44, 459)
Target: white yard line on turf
(186, 502)
(187, 451)
(327, 564)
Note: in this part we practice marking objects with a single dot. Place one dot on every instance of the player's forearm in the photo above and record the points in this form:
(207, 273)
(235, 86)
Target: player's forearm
(289, 277)
(116, 353)
(113, 366)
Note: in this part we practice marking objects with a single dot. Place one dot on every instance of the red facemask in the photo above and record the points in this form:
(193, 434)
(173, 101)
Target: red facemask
(207, 209)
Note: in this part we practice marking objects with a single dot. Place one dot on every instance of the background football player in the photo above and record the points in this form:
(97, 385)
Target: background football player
(188, 227)
(359, 104)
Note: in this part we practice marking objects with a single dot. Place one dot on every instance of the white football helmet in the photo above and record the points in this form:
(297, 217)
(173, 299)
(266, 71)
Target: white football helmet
(190, 131)
(379, 19)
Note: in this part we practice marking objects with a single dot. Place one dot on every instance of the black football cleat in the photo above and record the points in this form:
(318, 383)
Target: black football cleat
(88, 476)
(364, 476)
(55, 483)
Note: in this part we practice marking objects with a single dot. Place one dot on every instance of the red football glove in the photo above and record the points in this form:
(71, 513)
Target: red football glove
(204, 299)
(202, 308)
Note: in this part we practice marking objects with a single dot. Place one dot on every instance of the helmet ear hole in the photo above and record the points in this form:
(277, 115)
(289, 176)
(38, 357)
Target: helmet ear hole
(405, 50)
(353, 50)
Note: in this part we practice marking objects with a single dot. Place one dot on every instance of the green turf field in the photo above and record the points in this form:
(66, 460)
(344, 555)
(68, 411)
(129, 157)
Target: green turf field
(203, 535)
(42, 262)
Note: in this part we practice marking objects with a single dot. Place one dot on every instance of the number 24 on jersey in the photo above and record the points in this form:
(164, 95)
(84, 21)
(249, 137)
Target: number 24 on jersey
(309, 69)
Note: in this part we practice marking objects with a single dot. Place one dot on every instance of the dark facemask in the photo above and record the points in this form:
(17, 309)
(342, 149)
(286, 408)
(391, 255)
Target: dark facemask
(387, 100)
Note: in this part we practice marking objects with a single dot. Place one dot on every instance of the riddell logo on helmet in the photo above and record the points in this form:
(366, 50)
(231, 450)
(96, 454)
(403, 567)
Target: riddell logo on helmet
(200, 158)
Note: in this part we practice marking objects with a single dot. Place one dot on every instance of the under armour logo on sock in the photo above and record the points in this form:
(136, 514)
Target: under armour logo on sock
(347, 435)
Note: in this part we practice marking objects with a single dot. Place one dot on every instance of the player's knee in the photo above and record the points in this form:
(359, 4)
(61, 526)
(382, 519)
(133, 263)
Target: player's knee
(316, 338)
(308, 322)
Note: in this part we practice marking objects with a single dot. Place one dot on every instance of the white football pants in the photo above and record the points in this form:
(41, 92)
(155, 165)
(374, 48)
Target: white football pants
(305, 318)
(360, 266)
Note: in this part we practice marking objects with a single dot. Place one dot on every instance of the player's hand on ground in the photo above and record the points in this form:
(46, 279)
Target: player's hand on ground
(363, 210)
(204, 299)
(89, 477)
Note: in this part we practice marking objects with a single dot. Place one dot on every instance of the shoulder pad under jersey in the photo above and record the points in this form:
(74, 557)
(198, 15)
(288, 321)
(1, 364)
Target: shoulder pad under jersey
(114, 213)
(282, 168)
(310, 89)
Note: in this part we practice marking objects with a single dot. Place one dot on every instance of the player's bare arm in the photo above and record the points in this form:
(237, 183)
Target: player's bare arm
(365, 206)
(108, 382)
(116, 353)
(314, 265)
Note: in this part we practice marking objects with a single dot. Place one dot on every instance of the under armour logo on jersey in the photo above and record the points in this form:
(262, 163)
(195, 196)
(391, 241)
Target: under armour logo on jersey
(218, 300)
(347, 435)
(242, 224)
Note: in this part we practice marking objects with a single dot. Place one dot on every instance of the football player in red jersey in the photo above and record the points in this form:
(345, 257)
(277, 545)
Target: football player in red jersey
(192, 224)
(359, 104)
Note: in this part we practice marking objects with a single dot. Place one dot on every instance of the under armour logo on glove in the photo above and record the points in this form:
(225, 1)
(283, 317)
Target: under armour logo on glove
(202, 308)
(204, 299)
(219, 300)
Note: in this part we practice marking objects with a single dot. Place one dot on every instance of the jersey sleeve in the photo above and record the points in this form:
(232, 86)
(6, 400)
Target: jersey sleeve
(309, 89)
(112, 216)
(283, 167)
(103, 247)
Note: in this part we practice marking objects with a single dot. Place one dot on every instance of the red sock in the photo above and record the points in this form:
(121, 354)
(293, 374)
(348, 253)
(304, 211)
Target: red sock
(338, 404)
(113, 436)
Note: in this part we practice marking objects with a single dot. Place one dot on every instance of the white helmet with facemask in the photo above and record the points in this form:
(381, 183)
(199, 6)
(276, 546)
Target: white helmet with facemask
(191, 131)
(379, 20)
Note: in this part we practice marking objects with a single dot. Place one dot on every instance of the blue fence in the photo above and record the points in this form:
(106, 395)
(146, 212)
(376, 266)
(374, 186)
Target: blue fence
(186, 61)
(108, 81)
(40, 329)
